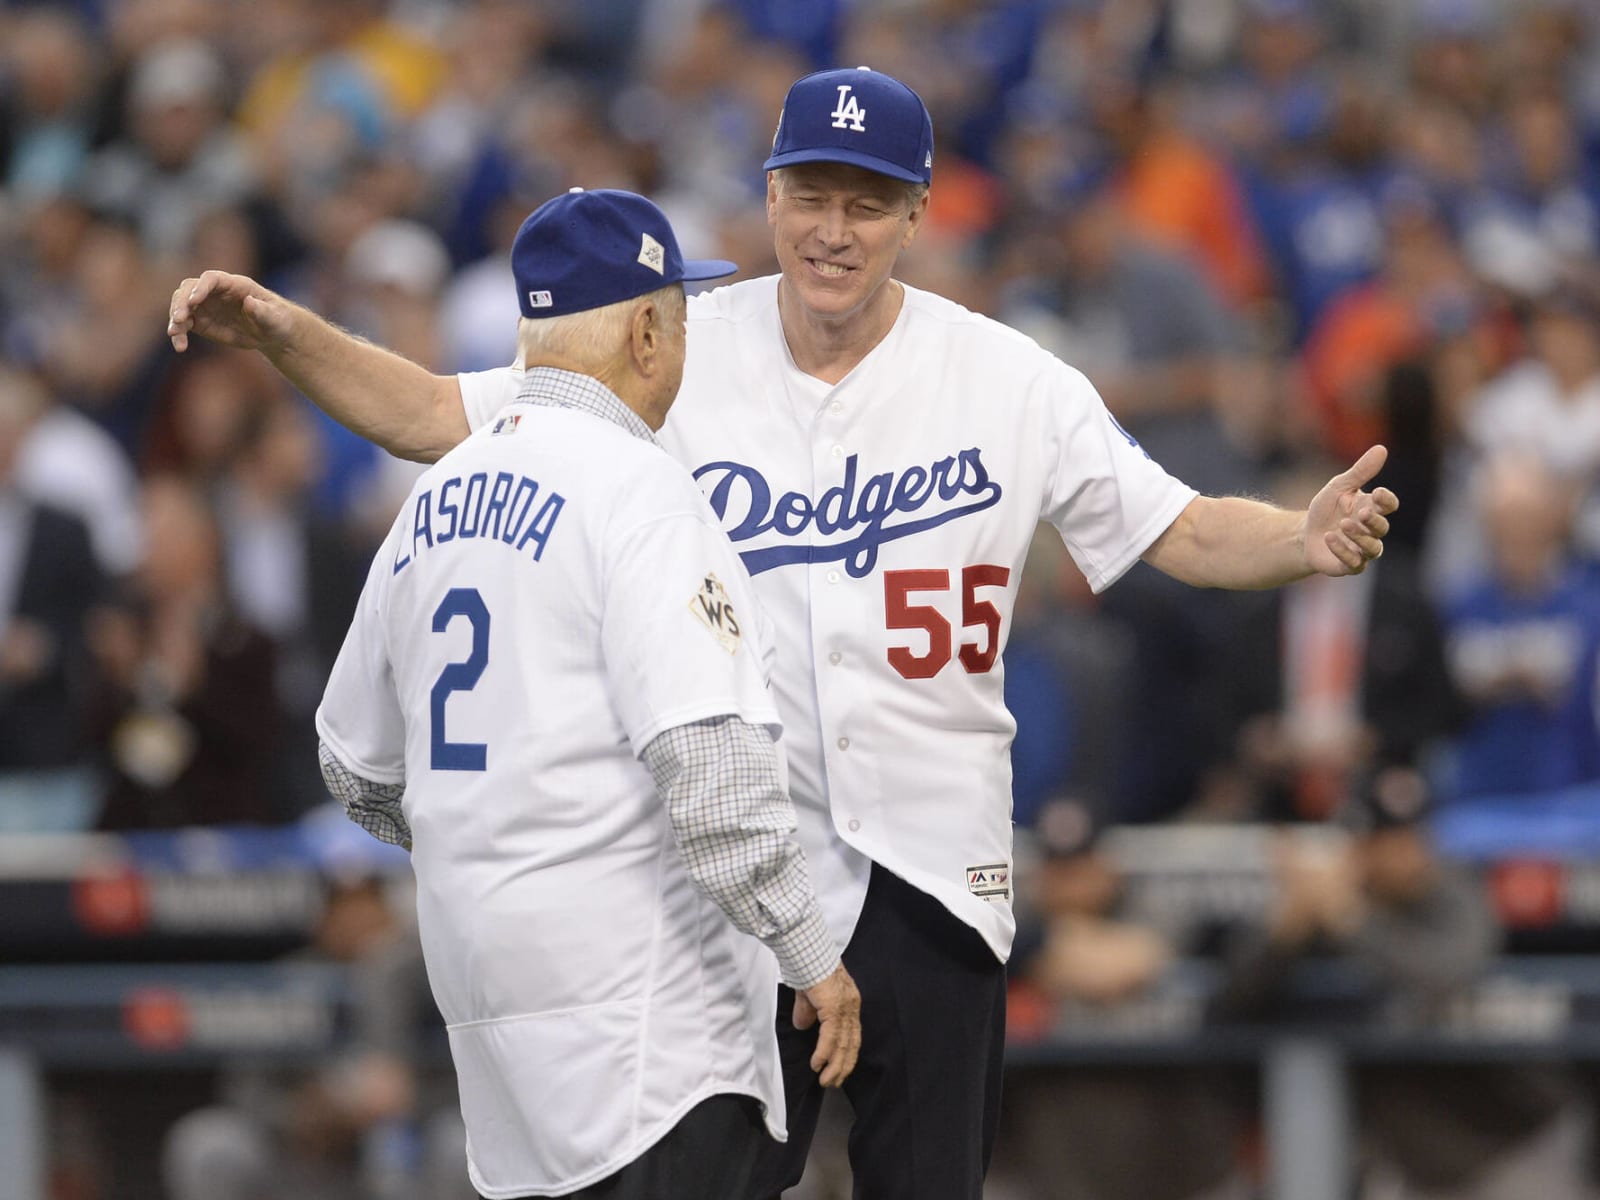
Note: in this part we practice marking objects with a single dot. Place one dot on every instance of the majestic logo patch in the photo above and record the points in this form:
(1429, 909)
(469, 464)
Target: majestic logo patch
(858, 511)
(539, 300)
(653, 255)
(506, 424)
(849, 114)
(712, 608)
(990, 881)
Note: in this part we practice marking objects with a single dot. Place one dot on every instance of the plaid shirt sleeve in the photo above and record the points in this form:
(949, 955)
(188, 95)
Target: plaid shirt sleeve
(373, 806)
(734, 823)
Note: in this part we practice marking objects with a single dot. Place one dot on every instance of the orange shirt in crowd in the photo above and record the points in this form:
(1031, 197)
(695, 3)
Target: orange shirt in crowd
(1176, 190)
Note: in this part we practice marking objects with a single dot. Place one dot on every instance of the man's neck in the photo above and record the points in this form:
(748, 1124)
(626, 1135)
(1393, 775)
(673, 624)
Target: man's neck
(830, 349)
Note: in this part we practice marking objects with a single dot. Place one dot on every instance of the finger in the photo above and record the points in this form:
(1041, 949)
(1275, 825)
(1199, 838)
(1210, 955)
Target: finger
(178, 308)
(1356, 528)
(1370, 547)
(1344, 550)
(827, 1039)
(805, 1015)
(1364, 536)
(1385, 500)
(1366, 467)
(1372, 523)
(847, 1048)
(208, 282)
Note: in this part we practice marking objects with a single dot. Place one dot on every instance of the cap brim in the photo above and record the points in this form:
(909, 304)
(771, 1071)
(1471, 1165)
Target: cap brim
(854, 158)
(708, 268)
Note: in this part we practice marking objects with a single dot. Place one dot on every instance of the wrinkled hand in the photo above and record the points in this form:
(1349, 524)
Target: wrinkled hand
(1345, 526)
(838, 1004)
(231, 310)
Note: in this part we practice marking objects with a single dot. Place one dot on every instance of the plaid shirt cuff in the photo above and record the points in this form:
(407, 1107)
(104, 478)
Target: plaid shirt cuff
(373, 806)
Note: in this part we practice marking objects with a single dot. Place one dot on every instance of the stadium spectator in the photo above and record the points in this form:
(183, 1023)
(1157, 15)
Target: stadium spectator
(1524, 639)
(48, 585)
(1422, 930)
(182, 160)
(1422, 290)
(1087, 1133)
(1139, 319)
(47, 107)
(185, 713)
(369, 1124)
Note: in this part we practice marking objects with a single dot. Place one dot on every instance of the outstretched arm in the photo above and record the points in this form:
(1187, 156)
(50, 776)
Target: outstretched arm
(385, 398)
(1232, 542)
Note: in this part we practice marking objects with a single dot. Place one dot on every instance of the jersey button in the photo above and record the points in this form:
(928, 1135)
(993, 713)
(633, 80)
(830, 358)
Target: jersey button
(844, 743)
(838, 451)
(833, 577)
(836, 658)
(836, 408)
(855, 825)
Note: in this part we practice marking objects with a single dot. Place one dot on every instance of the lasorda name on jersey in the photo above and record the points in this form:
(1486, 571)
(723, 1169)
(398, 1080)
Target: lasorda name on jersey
(960, 484)
(503, 510)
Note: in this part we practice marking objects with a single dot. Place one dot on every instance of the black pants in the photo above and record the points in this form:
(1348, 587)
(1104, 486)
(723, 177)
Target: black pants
(926, 1089)
(709, 1155)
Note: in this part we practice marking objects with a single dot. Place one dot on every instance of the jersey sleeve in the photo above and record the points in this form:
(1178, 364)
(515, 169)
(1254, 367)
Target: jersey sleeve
(1108, 498)
(679, 628)
(359, 719)
(484, 393)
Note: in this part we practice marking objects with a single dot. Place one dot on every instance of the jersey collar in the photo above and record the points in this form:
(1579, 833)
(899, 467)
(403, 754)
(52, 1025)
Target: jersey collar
(568, 389)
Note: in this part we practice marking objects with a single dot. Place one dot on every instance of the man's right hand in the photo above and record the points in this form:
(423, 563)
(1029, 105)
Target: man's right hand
(838, 1004)
(231, 310)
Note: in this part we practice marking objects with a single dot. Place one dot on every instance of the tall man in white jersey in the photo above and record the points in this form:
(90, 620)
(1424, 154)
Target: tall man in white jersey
(555, 693)
(880, 458)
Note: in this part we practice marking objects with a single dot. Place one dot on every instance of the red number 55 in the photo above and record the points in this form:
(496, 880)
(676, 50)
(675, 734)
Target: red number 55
(901, 614)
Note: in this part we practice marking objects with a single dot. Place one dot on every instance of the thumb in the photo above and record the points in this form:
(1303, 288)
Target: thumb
(1366, 468)
(805, 1013)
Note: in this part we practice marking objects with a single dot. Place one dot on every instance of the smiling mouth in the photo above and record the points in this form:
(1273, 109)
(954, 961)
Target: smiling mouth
(827, 269)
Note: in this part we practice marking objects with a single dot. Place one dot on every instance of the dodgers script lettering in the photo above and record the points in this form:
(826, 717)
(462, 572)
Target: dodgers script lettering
(742, 498)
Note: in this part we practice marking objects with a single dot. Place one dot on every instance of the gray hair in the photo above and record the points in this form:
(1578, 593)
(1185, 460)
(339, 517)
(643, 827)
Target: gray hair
(592, 338)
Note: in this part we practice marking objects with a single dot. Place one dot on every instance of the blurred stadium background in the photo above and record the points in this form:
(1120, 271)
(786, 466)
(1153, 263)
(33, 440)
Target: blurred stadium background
(1309, 882)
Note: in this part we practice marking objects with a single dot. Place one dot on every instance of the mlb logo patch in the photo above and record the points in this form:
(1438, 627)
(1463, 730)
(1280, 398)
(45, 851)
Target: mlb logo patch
(990, 881)
(506, 424)
(539, 300)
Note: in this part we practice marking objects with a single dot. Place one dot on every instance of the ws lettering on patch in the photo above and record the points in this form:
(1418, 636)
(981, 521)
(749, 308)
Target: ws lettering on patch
(712, 608)
(861, 515)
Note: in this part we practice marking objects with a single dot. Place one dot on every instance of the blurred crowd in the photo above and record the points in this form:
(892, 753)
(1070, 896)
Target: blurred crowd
(1270, 232)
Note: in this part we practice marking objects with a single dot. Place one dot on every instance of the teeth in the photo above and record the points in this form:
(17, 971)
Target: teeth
(830, 268)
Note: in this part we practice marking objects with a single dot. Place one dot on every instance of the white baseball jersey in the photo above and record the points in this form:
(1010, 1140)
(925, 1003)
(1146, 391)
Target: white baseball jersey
(885, 521)
(535, 618)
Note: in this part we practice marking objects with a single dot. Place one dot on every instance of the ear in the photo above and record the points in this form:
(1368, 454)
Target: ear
(914, 221)
(644, 337)
(772, 198)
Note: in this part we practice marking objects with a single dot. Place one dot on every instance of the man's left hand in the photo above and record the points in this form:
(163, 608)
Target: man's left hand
(1345, 526)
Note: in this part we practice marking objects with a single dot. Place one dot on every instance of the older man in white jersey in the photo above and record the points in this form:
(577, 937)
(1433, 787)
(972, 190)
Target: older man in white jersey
(880, 457)
(555, 692)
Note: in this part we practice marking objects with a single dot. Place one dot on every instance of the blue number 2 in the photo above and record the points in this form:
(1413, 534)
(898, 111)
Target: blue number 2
(459, 677)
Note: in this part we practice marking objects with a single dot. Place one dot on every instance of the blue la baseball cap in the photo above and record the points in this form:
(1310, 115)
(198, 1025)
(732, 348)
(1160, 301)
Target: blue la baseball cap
(861, 117)
(585, 250)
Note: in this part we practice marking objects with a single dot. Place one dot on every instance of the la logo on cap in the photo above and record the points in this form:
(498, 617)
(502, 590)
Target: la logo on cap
(849, 114)
(653, 255)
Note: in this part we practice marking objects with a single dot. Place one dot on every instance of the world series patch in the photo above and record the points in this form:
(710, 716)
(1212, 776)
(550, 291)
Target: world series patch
(714, 610)
(991, 881)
